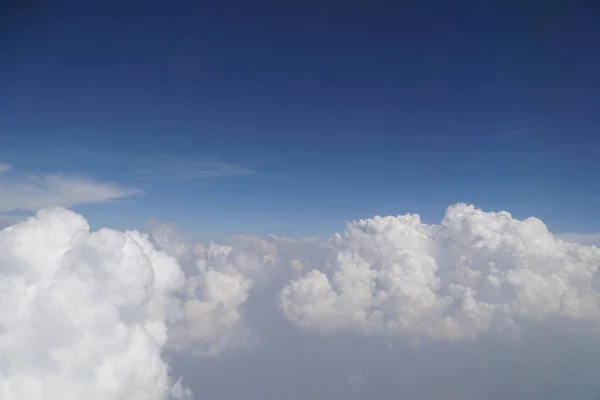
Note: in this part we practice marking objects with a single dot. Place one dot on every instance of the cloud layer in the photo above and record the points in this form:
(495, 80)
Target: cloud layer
(371, 312)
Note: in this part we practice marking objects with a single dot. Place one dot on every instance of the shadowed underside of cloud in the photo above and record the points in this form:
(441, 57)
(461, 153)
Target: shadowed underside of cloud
(31, 192)
(480, 305)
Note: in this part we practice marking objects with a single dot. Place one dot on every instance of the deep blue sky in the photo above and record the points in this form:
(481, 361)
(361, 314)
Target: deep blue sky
(343, 109)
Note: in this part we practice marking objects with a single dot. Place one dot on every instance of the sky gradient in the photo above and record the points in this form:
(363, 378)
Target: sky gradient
(207, 125)
(293, 117)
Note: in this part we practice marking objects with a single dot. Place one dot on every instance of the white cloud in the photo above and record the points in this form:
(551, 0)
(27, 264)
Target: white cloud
(221, 279)
(374, 292)
(31, 192)
(71, 301)
(211, 310)
(84, 314)
(474, 273)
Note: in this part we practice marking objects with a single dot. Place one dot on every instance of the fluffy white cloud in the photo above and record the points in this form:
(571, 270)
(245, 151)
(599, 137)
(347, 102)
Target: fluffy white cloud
(221, 279)
(474, 273)
(31, 192)
(214, 295)
(84, 314)
(214, 292)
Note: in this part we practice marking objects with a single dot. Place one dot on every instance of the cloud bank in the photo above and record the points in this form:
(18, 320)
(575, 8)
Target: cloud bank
(474, 273)
(32, 192)
(480, 305)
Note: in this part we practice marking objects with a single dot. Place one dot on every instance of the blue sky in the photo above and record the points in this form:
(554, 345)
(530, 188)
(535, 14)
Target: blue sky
(340, 110)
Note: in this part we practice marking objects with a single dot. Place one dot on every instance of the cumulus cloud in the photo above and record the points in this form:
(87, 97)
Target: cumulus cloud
(474, 273)
(84, 314)
(225, 281)
(214, 292)
(220, 278)
(480, 305)
(32, 192)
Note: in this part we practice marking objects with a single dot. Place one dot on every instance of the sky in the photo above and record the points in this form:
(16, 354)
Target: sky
(307, 114)
(299, 200)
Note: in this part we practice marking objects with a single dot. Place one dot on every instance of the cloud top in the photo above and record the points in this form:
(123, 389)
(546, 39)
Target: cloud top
(474, 273)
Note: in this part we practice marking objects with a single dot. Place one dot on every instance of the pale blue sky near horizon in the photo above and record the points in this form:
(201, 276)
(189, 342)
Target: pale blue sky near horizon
(292, 118)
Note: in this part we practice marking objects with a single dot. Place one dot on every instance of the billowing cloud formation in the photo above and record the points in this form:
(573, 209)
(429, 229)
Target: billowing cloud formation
(96, 315)
(83, 315)
(31, 192)
(474, 273)
(213, 298)
(223, 281)
(219, 280)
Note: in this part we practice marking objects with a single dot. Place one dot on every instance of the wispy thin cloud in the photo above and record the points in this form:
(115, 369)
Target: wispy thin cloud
(127, 165)
(31, 192)
(514, 133)
(186, 169)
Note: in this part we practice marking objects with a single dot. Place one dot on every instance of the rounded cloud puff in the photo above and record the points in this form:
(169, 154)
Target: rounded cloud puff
(218, 283)
(84, 314)
(221, 279)
(474, 273)
(213, 297)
